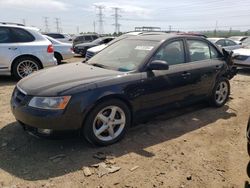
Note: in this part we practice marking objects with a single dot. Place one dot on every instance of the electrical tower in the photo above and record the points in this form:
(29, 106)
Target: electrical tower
(46, 24)
(57, 25)
(116, 16)
(100, 18)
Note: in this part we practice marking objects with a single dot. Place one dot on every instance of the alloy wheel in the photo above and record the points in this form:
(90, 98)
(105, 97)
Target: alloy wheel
(221, 92)
(26, 67)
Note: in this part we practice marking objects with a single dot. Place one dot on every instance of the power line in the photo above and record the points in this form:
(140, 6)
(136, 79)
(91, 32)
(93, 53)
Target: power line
(100, 18)
(46, 24)
(116, 16)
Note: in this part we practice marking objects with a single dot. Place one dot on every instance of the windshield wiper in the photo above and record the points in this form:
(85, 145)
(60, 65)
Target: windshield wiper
(98, 65)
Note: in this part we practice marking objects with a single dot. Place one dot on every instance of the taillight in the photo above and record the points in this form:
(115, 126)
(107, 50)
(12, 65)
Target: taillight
(50, 49)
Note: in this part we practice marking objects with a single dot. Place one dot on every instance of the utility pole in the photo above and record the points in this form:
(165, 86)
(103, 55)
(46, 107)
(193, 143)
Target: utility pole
(46, 24)
(100, 18)
(216, 26)
(170, 28)
(77, 30)
(24, 21)
(116, 16)
(57, 25)
(94, 26)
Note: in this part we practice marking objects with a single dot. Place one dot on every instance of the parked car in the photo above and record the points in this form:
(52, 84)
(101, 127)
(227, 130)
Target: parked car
(61, 37)
(227, 44)
(94, 50)
(248, 136)
(242, 55)
(83, 47)
(23, 50)
(84, 38)
(62, 51)
(126, 81)
(238, 39)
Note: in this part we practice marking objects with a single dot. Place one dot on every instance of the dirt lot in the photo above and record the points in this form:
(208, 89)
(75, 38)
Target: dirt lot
(196, 146)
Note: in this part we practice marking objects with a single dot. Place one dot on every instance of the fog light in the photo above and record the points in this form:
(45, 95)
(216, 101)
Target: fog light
(44, 131)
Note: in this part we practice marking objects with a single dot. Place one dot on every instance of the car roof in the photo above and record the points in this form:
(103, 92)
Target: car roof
(18, 26)
(162, 36)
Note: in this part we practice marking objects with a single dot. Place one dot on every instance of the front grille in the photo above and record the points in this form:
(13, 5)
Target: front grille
(18, 96)
(89, 55)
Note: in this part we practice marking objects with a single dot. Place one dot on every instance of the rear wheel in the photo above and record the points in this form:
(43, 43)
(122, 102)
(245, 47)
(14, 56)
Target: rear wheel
(25, 66)
(220, 93)
(58, 58)
(107, 122)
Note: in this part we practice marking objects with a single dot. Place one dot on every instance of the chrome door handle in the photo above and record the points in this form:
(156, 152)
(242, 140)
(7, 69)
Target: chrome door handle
(12, 48)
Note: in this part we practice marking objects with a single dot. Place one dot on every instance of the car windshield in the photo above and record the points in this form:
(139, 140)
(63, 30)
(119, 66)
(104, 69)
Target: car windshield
(246, 42)
(125, 55)
(97, 41)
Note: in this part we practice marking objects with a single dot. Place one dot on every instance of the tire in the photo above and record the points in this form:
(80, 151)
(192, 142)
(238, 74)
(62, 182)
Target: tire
(58, 58)
(95, 121)
(20, 63)
(248, 148)
(220, 93)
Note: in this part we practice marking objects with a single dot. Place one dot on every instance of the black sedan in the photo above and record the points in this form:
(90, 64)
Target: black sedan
(125, 82)
(82, 48)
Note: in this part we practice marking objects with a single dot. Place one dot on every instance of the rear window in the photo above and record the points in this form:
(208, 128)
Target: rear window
(20, 35)
(5, 36)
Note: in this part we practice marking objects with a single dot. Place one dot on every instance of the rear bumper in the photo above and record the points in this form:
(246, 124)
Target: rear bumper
(68, 55)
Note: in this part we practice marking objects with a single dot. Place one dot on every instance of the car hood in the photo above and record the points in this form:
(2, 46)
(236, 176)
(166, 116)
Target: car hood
(242, 51)
(64, 79)
(97, 48)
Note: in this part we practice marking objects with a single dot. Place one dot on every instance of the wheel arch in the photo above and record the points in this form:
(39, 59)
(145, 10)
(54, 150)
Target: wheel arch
(109, 97)
(25, 55)
(59, 54)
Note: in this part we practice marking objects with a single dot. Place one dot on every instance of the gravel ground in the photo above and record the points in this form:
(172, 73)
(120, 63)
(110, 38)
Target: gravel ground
(196, 146)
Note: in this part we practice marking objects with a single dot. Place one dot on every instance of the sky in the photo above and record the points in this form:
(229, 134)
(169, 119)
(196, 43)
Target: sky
(79, 15)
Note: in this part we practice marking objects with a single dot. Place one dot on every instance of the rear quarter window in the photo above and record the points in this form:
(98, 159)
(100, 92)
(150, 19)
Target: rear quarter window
(21, 35)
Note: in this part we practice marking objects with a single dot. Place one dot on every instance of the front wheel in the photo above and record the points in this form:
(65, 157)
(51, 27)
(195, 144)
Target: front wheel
(107, 122)
(220, 93)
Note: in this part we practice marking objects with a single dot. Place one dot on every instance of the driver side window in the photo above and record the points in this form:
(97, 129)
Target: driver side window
(172, 53)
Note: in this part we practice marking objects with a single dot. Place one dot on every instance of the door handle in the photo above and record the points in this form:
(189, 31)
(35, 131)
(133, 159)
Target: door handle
(12, 48)
(185, 74)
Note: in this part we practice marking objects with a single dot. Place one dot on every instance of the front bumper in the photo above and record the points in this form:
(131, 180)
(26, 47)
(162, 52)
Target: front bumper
(43, 119)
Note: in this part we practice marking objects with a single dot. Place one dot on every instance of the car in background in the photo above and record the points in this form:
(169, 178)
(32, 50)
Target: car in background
(82, 48)
(84, 38)
(238, 39)
(248, 136)
(61, 37)
(242, 55)
(94, 50)
(62, 51)
(23, 50)
(227, 44)
(126, 82)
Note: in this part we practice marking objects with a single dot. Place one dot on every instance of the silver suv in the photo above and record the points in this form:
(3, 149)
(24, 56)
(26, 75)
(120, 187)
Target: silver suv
(23, 50)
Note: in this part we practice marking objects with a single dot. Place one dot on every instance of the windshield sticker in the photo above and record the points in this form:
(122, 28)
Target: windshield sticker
(147, 48)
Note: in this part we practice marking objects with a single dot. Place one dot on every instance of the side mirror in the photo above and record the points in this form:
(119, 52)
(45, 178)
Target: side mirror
(158, 65)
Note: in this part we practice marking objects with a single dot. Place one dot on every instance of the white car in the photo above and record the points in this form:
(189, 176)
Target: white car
(242, 55)
(23, 50)
(227, 44)
(61, 37)
(238, 39)
(62, 51)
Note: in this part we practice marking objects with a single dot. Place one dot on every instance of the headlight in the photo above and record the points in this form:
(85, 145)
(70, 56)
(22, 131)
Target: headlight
(52, 103)
(241, 57)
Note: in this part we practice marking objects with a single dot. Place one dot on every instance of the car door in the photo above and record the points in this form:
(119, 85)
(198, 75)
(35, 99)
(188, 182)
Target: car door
(205, 62)
(8, 48)
(171, 86)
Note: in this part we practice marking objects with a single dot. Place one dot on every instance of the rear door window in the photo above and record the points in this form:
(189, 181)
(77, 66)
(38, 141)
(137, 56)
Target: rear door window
(20, 35)
(5, 35)
(88, 38)
(230, 43)
(198, 50)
